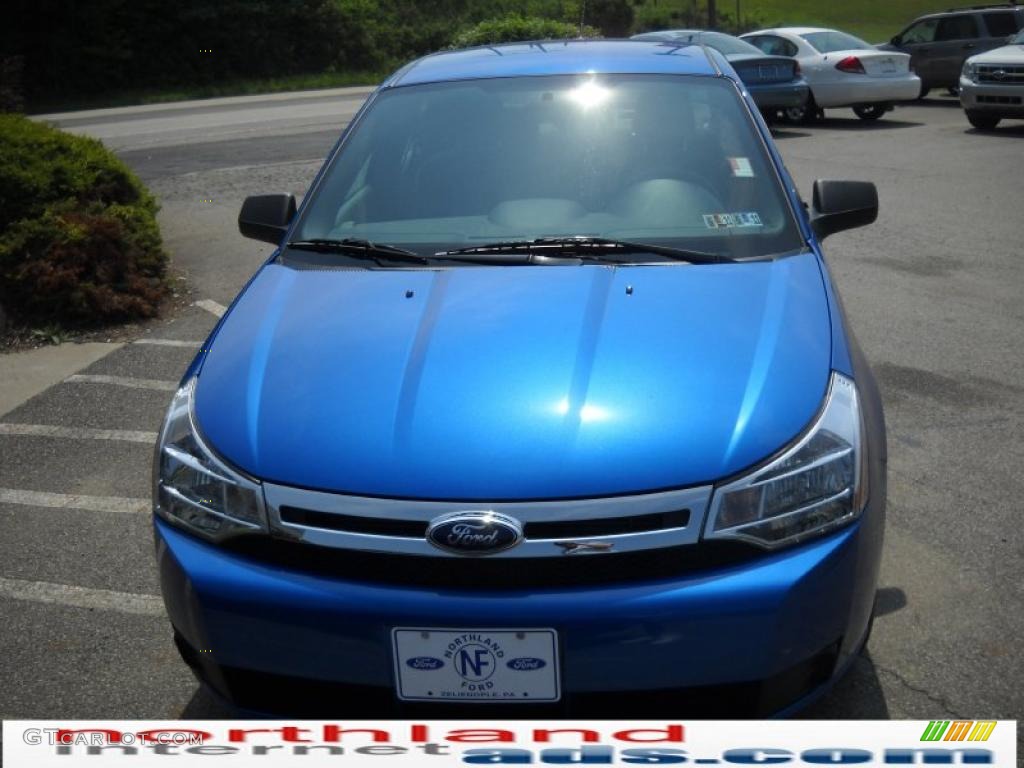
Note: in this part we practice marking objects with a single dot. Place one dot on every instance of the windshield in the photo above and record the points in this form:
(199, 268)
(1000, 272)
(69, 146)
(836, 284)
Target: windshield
(830, 41)
(663, 159)
(728, 45)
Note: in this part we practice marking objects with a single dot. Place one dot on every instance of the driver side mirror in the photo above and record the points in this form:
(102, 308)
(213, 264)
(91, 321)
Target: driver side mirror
(839, 205)
(266, 217)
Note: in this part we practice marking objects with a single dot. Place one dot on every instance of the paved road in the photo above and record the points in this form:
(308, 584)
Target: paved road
(933, 290)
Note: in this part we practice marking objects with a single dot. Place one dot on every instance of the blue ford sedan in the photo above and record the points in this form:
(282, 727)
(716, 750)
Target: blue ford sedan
(775, 82)
(545, 404)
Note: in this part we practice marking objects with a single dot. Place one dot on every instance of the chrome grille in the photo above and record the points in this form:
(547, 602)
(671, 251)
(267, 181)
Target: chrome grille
(997, 74)
(397, 527)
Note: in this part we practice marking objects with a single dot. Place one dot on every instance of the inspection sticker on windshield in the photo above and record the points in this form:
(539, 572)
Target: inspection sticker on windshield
(489, 665)
(731, 220)
(741, 167)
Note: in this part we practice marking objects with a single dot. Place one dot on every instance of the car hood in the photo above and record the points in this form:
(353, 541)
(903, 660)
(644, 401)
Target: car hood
(502, 383)
(1008, 54)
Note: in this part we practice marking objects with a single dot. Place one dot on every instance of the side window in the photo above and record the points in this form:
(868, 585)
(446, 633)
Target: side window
(1001, 24)
(922, 32)
(760, 42)
(956, 28)
(773, 46)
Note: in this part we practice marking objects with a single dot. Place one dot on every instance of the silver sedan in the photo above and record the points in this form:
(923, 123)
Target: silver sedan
(842, 71)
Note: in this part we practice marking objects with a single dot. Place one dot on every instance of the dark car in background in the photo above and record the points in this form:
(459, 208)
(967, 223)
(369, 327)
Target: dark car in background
(940, 43)
(774, 82)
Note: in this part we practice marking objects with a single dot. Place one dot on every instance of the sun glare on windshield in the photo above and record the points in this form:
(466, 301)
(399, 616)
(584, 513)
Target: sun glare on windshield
(590, 94)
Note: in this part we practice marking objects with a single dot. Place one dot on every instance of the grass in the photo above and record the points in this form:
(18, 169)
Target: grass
(213, 90)
(874, 20)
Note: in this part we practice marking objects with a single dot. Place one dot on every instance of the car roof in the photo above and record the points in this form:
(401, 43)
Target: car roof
(970, 10)
(790, 30)
(678, 33)
(557, 57)
(941, 14)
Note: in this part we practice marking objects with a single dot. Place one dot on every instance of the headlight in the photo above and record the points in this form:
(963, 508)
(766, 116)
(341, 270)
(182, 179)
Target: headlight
(817, 485)
(970, 71)
(193, 488)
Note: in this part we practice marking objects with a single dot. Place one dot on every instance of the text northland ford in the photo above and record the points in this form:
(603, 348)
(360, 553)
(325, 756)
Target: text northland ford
(546, 400)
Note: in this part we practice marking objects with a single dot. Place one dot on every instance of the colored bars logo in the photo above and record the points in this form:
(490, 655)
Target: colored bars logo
(958, 730)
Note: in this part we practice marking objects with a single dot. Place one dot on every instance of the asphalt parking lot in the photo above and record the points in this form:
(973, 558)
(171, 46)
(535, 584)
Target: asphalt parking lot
(934, 292)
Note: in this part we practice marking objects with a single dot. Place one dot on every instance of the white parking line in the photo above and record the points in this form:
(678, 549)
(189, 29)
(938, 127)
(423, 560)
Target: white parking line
(118, 504)
(123, 381)
(169, 343)
(80, 433)
(211, 306)
(82, 597)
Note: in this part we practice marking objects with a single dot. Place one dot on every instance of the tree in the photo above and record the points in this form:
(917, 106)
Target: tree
(613, 17)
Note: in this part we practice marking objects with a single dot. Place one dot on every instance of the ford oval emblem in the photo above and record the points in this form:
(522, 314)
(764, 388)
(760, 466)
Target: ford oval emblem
(424, 662)
(474, 533)
(526, 664)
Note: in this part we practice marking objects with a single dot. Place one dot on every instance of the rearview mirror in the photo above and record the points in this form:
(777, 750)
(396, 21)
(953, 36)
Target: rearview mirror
(839, 205)
(266, 217)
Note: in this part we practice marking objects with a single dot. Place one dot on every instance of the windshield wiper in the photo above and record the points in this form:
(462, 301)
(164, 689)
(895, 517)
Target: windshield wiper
(581, 247)
(360, 249)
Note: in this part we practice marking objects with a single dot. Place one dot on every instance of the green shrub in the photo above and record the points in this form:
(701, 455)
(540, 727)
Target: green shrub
(79, 242)
(514, 28)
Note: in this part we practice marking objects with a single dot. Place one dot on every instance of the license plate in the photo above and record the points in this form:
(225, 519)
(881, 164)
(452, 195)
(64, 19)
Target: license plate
(490, 665)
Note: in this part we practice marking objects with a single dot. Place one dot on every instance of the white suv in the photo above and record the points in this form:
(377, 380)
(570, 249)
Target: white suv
(992, 85)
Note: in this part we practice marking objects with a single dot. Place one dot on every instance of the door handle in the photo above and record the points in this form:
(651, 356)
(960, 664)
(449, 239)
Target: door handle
(969, 46)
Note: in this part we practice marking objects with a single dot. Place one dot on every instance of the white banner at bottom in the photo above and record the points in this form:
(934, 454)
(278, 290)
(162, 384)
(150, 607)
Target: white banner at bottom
(381, 743)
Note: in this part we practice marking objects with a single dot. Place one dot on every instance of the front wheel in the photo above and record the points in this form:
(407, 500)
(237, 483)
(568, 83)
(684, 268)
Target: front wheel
(925, 90)
(982, 121)
(869, 111)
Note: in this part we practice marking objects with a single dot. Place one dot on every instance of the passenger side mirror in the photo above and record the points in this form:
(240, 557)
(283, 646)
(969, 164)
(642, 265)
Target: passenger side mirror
(266, 217)
(839, 205)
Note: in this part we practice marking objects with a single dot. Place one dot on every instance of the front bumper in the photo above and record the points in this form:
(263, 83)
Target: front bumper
(749, 639)
(1002, 100)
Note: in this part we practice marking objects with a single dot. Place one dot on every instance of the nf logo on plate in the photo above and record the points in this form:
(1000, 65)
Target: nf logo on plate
(475, 662)
(474, 533)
